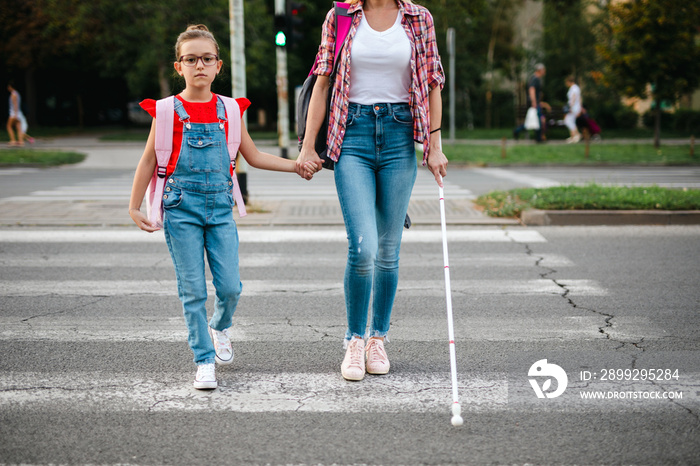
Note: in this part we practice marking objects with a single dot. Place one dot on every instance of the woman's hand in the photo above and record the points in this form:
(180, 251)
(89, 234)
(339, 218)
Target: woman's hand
(142, 221)
(437, 164)
(308, 163)
(307, 170)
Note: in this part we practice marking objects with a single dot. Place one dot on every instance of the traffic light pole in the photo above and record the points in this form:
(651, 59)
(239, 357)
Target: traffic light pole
(282, 93)
(238, 81)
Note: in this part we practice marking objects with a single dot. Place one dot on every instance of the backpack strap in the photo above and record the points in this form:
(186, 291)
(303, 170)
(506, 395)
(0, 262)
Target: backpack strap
(343, 21)
(233, 142)
(164, 149)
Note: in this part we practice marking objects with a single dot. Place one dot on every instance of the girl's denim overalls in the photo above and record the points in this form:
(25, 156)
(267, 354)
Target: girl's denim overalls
(198, 218)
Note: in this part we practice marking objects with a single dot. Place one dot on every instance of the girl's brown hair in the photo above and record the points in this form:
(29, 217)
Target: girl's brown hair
(196, 31)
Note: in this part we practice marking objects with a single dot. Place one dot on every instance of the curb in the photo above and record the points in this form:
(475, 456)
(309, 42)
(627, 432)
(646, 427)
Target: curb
(610, 217)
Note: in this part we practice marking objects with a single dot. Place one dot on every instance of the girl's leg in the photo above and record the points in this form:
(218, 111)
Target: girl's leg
(395, 179)
(221, 243)
(356, 187)
(184, 234)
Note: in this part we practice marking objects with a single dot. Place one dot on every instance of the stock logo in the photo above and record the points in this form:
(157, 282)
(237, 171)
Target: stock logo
(546, 372)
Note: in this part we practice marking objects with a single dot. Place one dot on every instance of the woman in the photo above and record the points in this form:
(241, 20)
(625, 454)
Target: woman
(386, 94)
(16, 122)
(573, 97)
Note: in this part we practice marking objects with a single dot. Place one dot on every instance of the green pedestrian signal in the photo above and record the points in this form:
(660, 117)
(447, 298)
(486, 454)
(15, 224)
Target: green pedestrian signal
(280, 39)
(281, 28)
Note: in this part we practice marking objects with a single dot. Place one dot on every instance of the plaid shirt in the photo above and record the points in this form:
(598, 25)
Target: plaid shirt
(426, 72)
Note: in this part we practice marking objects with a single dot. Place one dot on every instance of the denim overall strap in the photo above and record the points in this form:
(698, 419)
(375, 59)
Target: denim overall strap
(220, 110)
(233, 142)
(182, 113)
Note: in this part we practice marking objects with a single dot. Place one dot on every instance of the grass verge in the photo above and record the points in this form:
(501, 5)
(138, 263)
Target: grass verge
(571, 154)
(38, 158)
(589, 197)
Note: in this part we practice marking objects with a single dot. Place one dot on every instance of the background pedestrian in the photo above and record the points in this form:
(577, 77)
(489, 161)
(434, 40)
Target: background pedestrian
(16, 122)
(534, 100)
(574, 107)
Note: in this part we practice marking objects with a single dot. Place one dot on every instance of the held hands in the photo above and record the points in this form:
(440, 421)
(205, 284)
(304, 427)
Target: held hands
(308, 163)
(142, 221)
(306, 170)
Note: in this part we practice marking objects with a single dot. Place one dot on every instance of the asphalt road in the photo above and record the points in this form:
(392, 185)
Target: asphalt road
(95, 368)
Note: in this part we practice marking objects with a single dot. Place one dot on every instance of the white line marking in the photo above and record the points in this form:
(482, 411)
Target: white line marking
(292, 288)
(250, 327)
(248, 392)
(534, 181)
(132, 260)
(267, 236)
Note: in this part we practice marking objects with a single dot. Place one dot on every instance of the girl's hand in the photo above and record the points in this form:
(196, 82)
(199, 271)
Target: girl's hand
(310, 169)
(142, 221)
(304, 171)
(309, 156)
(437, 164)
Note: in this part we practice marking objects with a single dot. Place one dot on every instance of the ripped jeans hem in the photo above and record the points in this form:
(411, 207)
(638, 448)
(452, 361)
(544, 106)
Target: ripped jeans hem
(366, 336)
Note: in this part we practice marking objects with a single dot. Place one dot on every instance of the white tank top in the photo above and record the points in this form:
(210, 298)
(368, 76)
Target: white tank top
(380, 65)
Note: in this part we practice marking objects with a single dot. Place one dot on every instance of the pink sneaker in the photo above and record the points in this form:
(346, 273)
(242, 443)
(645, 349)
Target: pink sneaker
(353, 367)
(377, 360)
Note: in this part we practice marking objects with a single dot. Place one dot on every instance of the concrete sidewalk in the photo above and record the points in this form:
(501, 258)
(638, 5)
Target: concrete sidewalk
(275, 199)
(300, 204)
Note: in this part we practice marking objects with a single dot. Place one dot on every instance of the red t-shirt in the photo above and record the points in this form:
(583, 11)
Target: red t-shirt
(199, 112)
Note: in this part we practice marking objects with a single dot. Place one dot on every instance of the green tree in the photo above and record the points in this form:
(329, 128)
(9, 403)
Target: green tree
(654, 44)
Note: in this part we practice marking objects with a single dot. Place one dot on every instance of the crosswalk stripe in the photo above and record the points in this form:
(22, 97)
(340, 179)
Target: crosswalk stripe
(254, 392)
(253, 235)
(262, 186)
(248, 326)
(251, 392)
(133, 260)
(306, 288)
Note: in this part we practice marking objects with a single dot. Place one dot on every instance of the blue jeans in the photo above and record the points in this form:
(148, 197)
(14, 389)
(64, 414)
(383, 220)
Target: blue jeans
(374, 177)
(198, 220)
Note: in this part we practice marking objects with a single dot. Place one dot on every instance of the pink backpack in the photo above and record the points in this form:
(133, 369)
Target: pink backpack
(165, 115)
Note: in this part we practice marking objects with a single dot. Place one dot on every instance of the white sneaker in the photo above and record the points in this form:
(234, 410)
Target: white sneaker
(377, 360)
(353, 367)
(222, 345)
(206, 377)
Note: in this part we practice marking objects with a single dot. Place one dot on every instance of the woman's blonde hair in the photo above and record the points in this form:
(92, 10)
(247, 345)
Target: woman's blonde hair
(195, 31)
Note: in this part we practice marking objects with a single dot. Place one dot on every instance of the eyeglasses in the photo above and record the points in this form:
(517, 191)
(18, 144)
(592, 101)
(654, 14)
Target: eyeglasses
(191, 60)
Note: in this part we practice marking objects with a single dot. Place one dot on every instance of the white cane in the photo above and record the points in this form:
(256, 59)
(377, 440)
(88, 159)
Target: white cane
(456, 409)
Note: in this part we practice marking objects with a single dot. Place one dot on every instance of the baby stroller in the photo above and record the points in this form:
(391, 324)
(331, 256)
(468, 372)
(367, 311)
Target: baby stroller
(585, 123)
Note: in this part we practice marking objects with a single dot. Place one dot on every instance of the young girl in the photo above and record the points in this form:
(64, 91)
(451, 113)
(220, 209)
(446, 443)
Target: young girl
(198, 200)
